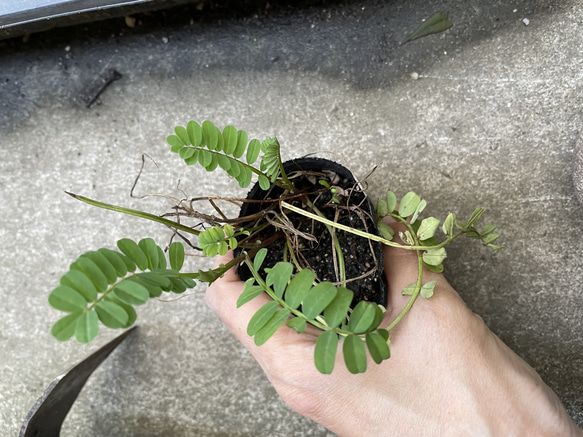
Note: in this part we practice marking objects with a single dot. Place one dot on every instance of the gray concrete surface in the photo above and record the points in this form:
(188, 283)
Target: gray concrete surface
(491, 121)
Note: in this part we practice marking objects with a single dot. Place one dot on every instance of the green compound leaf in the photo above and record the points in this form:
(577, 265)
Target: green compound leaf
(272, 325)
(131, 249)
(261, 317)
(362, 317)
(427, 228)
(391, 201)
(176, 255)
(354, 354)
(258, 259)
(409, 204)
(377, 346)
(111, 314)
(318, 299)
(434, 257)
(434, 24)
(335, 313)
(427, 289)
(299, 288)
(279, 276)
(325, 352)
(67, 299)
(81, 283)
(249, 293)
(65, 327)
(298, 324)
(131, 292)
(87, 327)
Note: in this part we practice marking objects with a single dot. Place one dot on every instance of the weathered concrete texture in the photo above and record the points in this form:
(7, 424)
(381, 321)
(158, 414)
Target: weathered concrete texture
(491, 121)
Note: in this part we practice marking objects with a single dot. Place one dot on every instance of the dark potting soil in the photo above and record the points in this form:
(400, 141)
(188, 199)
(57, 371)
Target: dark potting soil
(362, 258)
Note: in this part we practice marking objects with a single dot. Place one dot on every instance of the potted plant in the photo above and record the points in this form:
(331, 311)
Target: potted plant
(307, 235)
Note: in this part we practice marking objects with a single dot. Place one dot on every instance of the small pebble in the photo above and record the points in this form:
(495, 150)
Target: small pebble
(68, 48)
(526, 21)
(165, 40)
(414, 76)
(130, 21)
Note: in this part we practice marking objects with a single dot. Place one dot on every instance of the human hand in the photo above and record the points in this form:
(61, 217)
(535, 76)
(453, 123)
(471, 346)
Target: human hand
(448, 373)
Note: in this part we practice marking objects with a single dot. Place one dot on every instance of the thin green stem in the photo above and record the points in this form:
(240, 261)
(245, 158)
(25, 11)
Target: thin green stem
(371, 236)
(413, 297)
(136, 213)
(418, 284)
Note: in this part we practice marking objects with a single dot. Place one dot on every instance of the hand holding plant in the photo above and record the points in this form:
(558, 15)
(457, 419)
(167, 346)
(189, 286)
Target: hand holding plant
(448, 373)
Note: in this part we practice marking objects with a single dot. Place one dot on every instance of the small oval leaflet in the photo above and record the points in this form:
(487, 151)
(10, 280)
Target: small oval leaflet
(111, 314)
(409, 204)
(271, 327)
(65, 327)
(318, 299)
(377, 347)
(261, 317)
(87, 327)
(325, 352)
(354, 354)
(67, 299)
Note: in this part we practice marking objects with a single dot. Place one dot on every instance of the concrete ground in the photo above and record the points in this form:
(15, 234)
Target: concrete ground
(491, 121)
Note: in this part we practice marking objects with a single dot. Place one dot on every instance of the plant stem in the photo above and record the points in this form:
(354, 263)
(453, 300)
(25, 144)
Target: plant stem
(371, 236)
(418, 285)
(136, 213)
(413, 297)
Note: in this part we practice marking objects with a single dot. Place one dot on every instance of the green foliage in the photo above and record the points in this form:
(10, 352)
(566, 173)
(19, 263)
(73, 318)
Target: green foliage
(434, 24)
(208, 146)
(217, 240)
(102, 286)
(322, 305)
